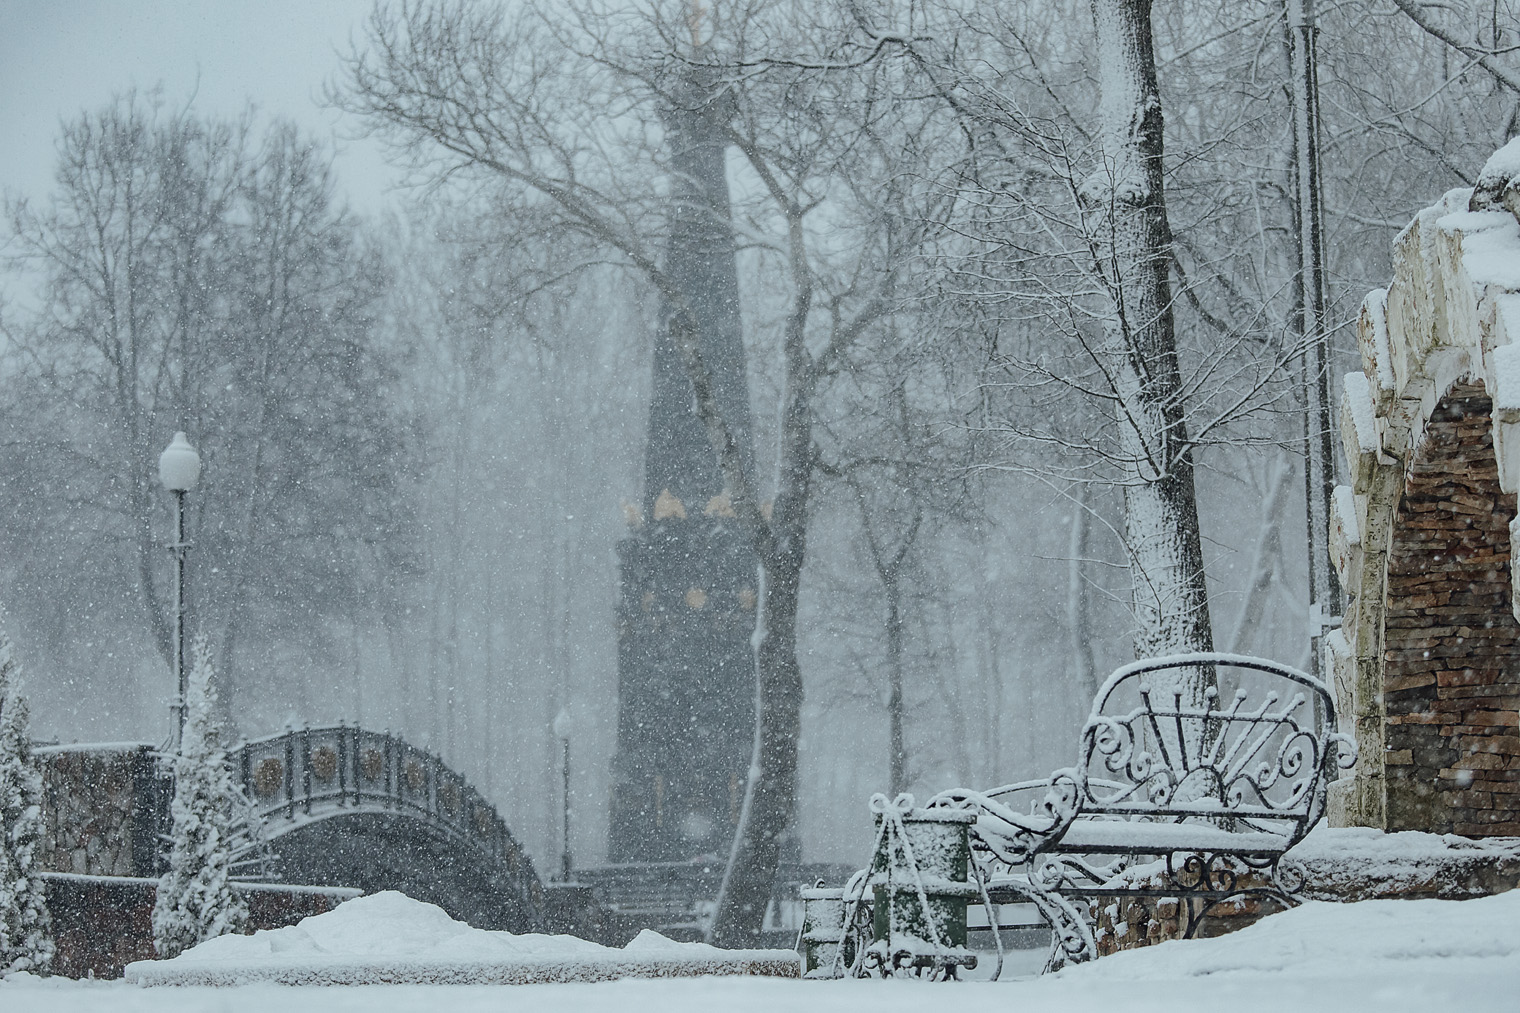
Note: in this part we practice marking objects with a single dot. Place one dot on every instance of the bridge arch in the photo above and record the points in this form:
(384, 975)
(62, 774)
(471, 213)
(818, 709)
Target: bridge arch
(1427, 659)
(343, 806)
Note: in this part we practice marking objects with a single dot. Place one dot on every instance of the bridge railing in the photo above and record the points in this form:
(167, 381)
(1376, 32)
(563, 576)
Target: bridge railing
(309, 772)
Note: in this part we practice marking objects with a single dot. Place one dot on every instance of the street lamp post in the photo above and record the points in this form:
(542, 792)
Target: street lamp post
(562, 727)
(179, 467)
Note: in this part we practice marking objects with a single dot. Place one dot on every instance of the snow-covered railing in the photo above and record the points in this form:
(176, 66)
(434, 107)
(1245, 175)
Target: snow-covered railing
(309, 774)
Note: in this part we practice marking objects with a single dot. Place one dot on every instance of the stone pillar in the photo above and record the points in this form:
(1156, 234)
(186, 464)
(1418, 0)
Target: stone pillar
(1426, 665)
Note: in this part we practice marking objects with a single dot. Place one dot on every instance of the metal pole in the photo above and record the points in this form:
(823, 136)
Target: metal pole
(179, 618)
(564, 870)
(1319, 466)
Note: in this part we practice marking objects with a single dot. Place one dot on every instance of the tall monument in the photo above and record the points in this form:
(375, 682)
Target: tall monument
(686, 609)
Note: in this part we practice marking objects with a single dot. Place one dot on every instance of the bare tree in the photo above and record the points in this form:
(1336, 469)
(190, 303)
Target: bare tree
(1073, 224)
(1063, 248)
(1429, 18)
(193, 279)
(524, 99)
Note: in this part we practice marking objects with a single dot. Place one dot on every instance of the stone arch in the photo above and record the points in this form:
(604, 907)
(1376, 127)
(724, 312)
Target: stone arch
(1426, 663)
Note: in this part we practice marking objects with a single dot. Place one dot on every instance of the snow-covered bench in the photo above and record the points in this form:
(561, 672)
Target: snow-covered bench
(1208, 795)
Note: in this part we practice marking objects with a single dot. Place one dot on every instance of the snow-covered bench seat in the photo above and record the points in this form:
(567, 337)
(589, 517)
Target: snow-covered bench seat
(1213, 794)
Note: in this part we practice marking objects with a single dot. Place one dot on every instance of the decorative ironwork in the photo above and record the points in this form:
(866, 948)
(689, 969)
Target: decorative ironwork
(313, 773)
(1217, 793)
(268, 777)
(324, 763)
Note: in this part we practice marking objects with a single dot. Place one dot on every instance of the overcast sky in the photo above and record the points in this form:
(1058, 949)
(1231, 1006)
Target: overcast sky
(58, 57)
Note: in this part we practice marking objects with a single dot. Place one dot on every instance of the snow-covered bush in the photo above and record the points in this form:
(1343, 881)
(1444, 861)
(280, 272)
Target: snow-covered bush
(25, 941)
(195, 897)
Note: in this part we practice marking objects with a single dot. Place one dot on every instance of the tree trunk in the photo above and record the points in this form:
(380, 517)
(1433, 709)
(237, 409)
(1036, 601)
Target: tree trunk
(1264, 562)
(1084, 669)
(1170, 599)
(888, 563)
(771, 792)
(897, 755)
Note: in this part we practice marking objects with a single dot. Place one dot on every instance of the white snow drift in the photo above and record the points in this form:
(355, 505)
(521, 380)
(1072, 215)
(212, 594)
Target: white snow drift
(1384, 956)
(389, 938)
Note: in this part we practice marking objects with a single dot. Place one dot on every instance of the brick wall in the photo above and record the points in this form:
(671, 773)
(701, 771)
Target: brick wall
(1424, 663)
(1452, 645)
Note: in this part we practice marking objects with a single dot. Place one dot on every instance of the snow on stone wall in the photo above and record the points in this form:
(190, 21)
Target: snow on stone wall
(1425, 662)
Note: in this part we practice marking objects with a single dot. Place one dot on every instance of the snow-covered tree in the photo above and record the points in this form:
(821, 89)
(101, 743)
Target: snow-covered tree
(195, 898)
(1128, 197)
(25, 941)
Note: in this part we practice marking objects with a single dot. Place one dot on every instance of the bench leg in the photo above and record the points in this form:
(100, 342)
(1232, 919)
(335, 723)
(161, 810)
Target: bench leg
(1073, 938)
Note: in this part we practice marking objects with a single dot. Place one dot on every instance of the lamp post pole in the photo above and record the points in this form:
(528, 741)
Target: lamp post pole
(562, 723)
(1319, 427)
(180, 675)
(179, 467)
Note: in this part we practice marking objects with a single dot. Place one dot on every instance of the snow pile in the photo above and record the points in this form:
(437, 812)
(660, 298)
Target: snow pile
(389, 938)
(1498, 173)
(1321, 939)
(1379, 956)
(1368, 844)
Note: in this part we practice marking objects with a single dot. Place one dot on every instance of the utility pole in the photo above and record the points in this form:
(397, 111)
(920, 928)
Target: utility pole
(1319, 466)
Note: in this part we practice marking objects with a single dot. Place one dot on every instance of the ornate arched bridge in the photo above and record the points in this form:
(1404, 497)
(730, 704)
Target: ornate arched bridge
(1427, 659)
(339, 806)
(343, 806)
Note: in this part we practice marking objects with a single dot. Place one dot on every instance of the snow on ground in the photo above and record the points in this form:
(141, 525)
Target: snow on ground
(1383, 956)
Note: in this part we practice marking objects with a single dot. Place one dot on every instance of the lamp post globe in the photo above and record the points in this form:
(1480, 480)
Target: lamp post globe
(179, 468)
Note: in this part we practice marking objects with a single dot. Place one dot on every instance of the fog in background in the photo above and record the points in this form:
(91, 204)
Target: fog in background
(513, 400)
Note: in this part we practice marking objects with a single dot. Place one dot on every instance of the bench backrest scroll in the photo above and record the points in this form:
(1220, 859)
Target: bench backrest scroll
(1210, 737)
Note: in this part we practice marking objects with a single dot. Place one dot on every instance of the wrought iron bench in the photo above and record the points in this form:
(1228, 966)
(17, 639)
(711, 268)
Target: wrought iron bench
(1175, 795)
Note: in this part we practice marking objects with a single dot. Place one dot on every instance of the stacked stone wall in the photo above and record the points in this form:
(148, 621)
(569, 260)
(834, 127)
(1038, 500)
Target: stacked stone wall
(1433, 868)
(94, 818)
(1451, 642)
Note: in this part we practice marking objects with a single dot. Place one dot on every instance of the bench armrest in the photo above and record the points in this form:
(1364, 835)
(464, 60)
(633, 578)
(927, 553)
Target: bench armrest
(1012, 836)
